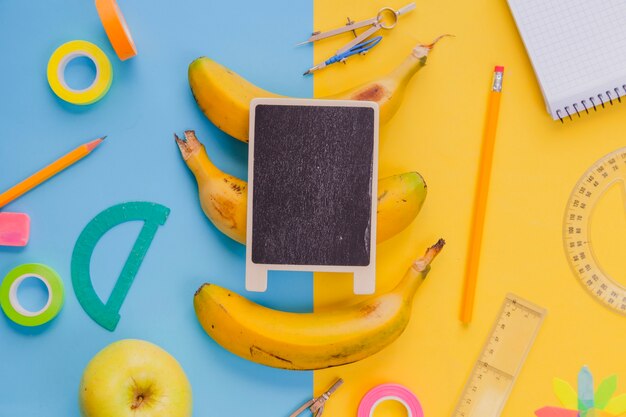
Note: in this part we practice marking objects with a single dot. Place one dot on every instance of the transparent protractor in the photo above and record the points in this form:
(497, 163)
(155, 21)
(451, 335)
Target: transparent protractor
(606, 173)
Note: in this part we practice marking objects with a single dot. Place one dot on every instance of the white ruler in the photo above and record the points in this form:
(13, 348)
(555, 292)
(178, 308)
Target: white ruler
(501, 360)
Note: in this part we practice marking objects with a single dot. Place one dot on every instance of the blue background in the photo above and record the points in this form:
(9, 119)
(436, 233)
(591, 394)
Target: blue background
(149, 100)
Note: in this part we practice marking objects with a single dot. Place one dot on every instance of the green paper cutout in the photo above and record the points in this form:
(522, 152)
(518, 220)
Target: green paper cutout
(565, 393)
(605, 391)
(585, 389)
(153, 215)
(616, 405)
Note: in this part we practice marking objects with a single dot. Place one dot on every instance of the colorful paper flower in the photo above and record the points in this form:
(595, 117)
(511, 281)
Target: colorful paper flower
(585, 403)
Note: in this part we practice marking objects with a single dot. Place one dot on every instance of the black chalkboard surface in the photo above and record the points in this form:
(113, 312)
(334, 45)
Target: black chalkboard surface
(312, 179)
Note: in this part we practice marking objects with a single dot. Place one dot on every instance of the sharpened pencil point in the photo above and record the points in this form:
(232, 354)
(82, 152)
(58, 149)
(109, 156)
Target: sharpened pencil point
(93, 144)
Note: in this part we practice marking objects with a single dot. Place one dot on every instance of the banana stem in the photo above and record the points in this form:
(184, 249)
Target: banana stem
(414, 62)
(423, 263)
(432, 44)
(189, 145)
(421, 51)
(416, 274)
(195, 155)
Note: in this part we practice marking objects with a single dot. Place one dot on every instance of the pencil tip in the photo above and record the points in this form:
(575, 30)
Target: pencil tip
(104, 137)
(94, 144)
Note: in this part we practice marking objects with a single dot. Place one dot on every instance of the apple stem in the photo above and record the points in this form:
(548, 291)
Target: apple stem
(138, 401)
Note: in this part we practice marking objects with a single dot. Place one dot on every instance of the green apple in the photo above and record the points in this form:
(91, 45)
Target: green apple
(134, 378)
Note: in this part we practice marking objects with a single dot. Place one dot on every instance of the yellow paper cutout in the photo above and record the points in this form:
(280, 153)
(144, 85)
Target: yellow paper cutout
(617, 405)
(565, 393)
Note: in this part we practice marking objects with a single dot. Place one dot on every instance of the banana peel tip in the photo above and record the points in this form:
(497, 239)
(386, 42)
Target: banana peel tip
(421, 51)
(189, 144)
(424, 262)
(206, 284)
(421, 178)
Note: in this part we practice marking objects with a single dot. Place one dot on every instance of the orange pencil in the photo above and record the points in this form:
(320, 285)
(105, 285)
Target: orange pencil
(480, 198)
(49, 171)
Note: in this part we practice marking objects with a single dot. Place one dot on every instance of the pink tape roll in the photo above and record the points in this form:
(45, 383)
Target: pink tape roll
(386, 392)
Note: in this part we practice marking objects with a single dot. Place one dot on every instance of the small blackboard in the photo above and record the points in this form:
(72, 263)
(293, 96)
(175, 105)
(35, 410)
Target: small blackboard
(312, 181)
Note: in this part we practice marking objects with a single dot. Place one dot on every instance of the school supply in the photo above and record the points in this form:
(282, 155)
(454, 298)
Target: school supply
(116, 29)
(578, 51)
(312, 175)
(359, 49)
(11, 304)
(480, 197)
(107, 314)
(592, 185)
(49, 171)
(386, 392)
(14, 229)
(316, 405)
(585, 402)
(56, 72)
(501, 359)
(359, 42)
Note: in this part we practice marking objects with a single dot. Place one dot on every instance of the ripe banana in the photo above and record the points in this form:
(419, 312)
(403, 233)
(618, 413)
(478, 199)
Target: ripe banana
(306, 341)
(400, 199)
(225, 96)
(224, 198)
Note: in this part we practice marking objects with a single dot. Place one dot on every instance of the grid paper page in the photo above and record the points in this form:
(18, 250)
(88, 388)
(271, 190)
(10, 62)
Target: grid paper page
(577, 48)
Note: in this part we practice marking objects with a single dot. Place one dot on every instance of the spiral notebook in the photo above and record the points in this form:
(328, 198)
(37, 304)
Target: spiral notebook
(578, 51)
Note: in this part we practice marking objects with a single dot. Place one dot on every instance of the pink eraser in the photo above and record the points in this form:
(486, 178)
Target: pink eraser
(498, 68)
(14, 229)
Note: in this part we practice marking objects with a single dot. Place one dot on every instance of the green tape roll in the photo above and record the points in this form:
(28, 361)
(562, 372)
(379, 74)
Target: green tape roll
(11, 305)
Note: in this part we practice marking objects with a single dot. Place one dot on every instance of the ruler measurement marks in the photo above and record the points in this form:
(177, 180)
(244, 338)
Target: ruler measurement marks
(576, 229)
(501, 359)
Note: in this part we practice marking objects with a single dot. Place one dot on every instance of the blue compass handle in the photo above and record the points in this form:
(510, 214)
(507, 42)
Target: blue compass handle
(359, 48)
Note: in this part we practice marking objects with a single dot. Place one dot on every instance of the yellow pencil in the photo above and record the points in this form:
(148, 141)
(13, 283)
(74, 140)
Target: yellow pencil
(49, 171)
(480, 198)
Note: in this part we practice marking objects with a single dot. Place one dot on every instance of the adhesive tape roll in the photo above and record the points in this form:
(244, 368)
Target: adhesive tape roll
(56, 72)
(11, 305)
(116, 29)
(385, 392)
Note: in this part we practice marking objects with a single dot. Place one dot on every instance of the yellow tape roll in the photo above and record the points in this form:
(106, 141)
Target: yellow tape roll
(56, 72)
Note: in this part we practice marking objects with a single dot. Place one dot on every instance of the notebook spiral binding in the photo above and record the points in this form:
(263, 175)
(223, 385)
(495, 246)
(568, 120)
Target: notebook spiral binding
(592, 102)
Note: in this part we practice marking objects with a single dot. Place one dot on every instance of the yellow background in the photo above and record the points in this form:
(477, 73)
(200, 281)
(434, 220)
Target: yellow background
(537, 161)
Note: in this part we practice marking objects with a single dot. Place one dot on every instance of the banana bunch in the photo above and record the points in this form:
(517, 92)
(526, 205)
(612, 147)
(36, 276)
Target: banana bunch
(299, 341)
(224, 198)
(307, 341)
(224, 96)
